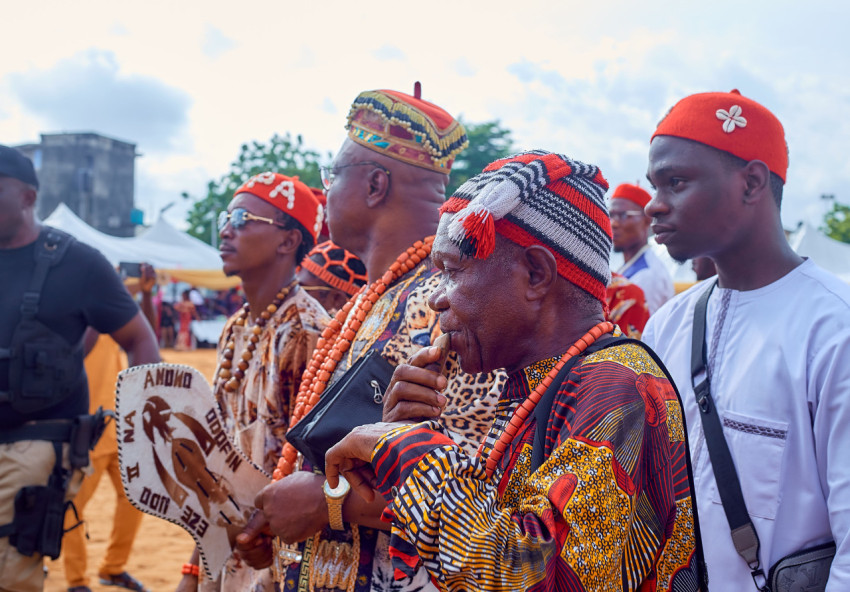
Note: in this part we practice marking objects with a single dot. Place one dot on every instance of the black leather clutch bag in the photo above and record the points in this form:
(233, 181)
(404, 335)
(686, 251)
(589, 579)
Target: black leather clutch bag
(357, 398)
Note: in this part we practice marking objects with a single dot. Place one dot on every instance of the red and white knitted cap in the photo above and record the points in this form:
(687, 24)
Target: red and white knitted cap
(538, 198)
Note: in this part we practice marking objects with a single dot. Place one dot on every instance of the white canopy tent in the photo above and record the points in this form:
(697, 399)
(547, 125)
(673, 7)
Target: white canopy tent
(832, 255)
(174, 254)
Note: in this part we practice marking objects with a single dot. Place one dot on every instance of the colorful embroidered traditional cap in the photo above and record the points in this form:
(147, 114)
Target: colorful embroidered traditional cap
(290, 196)
(16, 165)
(538, 198)
(732, 123)
(633, 193)
(406, 128)
(336, 267)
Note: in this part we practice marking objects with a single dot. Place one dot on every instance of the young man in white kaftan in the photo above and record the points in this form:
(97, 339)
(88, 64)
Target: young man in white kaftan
(777, 337)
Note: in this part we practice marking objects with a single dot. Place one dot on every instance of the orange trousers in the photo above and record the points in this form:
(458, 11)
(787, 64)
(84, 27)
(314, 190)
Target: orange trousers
(125, 524)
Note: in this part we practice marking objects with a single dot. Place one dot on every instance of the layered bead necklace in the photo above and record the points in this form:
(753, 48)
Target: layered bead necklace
(525, 410)
(225, 368)
(336, 340)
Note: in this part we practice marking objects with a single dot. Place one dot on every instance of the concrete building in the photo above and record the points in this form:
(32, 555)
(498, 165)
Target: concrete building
(92, 174)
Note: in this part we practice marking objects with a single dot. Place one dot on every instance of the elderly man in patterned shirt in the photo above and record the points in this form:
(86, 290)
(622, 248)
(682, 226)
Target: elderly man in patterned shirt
(583, 481)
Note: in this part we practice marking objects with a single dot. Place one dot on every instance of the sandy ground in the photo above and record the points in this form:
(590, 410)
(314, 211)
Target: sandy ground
(161, 548)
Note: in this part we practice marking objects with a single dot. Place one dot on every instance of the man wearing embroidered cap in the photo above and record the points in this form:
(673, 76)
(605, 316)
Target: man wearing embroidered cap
(331, 275)
(582, 482)
(269, 226)
(630, 227)
(384, 191)
(777, 344)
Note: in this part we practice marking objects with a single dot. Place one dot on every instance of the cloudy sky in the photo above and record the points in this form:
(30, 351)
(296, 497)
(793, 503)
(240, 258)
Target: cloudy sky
(188, 82)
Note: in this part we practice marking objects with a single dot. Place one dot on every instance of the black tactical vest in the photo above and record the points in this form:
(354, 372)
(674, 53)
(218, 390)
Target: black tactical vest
(44, 369)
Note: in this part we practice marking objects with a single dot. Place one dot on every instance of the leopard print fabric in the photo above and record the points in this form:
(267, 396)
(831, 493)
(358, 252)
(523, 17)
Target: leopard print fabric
(399, 325)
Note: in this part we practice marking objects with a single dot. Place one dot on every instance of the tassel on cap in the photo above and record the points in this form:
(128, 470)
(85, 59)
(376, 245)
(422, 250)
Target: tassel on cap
(537, 198)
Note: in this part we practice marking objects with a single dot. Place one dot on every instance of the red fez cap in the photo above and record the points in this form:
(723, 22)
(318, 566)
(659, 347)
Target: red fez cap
(290, 196)
(732, 123)
(633, 193)
(407, 129)
(323, 200)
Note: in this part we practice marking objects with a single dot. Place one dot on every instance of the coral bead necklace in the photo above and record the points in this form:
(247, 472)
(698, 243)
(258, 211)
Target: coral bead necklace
(525, 410)
(336, 340)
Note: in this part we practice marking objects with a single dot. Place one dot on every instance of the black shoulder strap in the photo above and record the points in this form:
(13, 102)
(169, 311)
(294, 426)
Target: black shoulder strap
(541, 414)
(50, 247)
(544, 408)
(744, 535)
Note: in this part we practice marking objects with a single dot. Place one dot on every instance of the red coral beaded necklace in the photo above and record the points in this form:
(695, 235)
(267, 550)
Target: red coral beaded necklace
(524, 411)
(336, 340)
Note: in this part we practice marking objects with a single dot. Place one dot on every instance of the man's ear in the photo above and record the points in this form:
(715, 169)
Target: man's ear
(30, 196)
(289, 242)
(542, 271)
(756, 181)
(379, 187)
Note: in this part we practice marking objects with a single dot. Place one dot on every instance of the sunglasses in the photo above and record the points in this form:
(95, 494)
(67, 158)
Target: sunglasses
(239, 217)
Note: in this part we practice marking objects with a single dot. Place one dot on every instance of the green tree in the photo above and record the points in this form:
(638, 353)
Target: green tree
(281, 154)
(488, 141)
(836, 222)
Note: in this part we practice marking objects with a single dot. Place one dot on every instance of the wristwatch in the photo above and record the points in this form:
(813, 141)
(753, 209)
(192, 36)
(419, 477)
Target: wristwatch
(335, 498)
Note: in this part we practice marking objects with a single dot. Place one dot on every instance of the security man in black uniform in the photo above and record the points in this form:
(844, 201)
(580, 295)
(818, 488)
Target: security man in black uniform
(51, 289)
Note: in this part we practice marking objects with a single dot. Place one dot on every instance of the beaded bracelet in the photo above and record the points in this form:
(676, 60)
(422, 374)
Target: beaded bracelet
(190, 569)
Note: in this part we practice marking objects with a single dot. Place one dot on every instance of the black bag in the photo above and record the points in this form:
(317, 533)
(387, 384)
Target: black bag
(356, 399)
(804, 570)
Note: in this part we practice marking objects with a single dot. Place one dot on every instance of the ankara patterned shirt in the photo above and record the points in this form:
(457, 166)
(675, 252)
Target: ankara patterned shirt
(399, 324)
(608, 510)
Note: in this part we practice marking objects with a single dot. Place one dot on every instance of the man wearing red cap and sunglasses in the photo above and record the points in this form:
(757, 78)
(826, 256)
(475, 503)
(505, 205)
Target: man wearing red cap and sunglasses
(269, 226)
(773, 380)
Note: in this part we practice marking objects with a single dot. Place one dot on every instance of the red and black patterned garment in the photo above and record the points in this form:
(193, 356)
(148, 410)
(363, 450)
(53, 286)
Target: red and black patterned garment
(610, 508)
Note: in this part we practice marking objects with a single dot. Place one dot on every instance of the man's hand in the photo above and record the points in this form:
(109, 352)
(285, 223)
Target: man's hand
(147, 278)
(254, 543)
(352, 455)
(294, 507)
(413, 392)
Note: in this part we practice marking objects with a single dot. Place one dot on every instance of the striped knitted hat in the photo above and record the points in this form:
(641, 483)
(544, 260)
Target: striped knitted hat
(538, 198)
